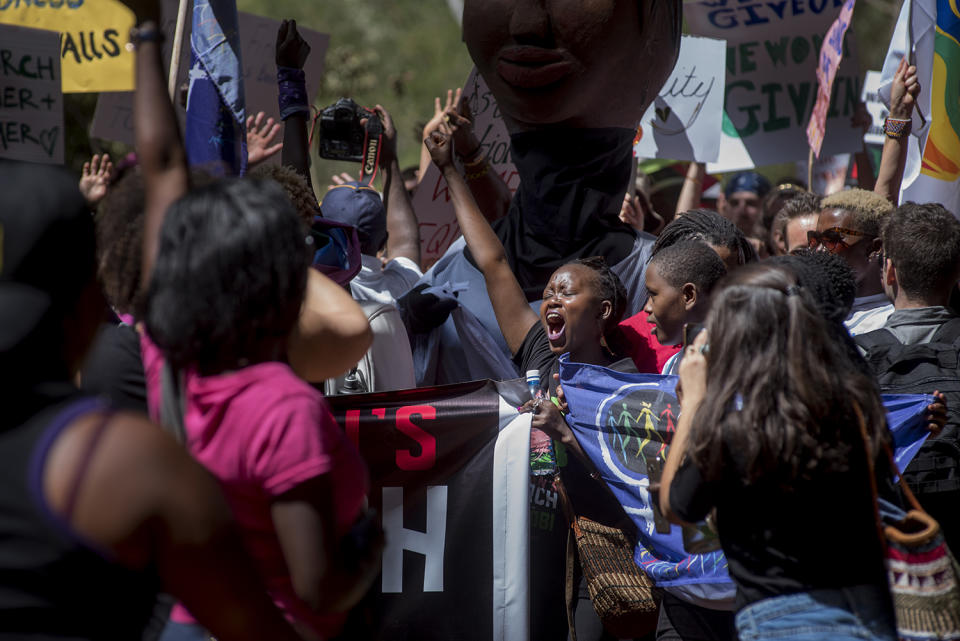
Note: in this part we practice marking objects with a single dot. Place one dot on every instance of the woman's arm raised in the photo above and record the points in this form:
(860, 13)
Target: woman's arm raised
(509, 303)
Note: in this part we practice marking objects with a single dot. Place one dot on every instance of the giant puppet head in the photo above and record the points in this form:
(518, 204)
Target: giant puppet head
(573, 63)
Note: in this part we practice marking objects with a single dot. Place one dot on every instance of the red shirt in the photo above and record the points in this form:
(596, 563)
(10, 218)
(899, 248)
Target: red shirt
(646, 351)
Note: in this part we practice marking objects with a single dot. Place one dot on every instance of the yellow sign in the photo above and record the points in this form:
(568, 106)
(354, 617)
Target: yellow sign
(92, 38)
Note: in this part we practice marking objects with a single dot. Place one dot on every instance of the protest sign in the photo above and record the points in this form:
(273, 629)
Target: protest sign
(113, 118)
(684, 121)
(828, 175)
(771, 79)
(94, 33)
(877, 110)
(831, 53)
(438, 223)
(449, 471)
(31, 101)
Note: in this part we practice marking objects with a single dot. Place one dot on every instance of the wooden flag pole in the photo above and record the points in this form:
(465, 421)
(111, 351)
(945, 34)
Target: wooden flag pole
(177, 49)
(810, 170)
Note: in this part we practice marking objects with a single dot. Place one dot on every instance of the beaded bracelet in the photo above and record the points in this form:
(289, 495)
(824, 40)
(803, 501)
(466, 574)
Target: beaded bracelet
(292, 92)
(896, 128)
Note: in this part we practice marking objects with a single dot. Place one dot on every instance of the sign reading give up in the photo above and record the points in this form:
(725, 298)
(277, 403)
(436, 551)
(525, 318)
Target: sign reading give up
(93, 35)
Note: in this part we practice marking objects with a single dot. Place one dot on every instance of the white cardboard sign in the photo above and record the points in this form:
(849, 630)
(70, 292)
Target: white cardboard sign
(31, 100)
(878, 111)
(684, 121)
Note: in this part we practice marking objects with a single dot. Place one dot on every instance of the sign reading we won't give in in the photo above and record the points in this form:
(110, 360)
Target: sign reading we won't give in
(31, 101)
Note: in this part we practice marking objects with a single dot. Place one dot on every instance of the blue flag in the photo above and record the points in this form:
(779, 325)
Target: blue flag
(625, 422)
(216, 131)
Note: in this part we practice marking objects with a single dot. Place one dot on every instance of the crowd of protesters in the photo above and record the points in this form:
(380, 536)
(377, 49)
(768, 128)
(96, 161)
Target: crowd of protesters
(171, 468)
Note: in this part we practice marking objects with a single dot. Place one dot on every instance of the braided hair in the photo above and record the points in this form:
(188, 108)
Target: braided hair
(609, 287)
(709, 227)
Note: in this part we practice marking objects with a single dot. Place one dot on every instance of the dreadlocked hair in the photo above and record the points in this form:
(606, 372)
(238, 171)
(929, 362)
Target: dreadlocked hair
(609, 287)
(706, 225)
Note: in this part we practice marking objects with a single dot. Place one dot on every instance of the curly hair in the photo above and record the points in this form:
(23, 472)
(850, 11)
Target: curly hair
(869, 209)
(298, 189)
(230, 275)
(779, 393)
(690, 261)
(119, 226)
(609, 287)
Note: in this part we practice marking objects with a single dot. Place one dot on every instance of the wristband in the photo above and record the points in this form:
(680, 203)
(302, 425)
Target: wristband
(896, 128)
(146, 32)
(292, 92)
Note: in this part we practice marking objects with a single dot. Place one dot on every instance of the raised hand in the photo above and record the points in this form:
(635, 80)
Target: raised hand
(292, 49)
(904, 91)
(95, 179)
(440, 111)
(461, 118)
(440, 145)
(340, 179)
(388, 147)
(260, 135)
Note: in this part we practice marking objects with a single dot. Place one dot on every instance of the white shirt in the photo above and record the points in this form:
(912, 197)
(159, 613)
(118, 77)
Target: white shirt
(868, 313)
(384, 283)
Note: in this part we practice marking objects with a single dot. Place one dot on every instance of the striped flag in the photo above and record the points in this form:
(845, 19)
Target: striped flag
(215, 131)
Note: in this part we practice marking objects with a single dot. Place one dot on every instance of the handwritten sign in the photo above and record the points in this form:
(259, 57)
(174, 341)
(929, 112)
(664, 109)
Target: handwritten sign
(438, 222)
(94, 33)
(684, 121)
(831, 53)
(113, 118)
(31, 101)
(771, 87)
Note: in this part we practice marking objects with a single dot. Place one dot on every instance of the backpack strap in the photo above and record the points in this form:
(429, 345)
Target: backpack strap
(948, 333)
(173, 402)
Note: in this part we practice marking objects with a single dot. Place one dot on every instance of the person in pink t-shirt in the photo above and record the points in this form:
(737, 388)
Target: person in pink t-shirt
(224, 270)
(224, 294)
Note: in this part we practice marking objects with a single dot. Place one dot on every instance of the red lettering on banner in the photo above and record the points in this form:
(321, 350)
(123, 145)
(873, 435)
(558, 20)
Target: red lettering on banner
(352, 427)
(380, 412)
(427, 442)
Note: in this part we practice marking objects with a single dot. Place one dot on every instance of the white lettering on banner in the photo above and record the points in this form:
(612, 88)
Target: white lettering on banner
(430, 543)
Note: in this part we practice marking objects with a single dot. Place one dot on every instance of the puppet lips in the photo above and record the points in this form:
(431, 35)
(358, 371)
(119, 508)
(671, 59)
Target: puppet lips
(528, 67)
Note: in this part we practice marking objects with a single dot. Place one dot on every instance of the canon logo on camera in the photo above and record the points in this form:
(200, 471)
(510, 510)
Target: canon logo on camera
(371, 160)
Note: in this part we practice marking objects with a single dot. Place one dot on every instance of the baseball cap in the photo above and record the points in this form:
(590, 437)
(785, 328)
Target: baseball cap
(47, 248)
(748, 181)
(359, 205)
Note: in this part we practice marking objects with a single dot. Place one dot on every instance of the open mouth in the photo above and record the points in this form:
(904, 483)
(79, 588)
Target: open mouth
(556, 327)
(527, 67)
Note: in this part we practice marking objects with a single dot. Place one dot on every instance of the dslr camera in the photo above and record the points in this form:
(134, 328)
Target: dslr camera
(343, 137)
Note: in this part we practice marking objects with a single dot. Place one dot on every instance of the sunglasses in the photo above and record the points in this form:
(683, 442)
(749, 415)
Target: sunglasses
(832, 238)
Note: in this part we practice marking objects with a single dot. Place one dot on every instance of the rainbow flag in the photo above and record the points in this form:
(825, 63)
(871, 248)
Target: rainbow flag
(929, 30)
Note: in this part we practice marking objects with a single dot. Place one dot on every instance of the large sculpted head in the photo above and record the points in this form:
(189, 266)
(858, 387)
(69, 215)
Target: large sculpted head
(573, 63)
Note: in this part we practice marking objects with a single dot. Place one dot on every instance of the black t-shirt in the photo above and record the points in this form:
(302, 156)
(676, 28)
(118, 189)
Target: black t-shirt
(819, 533)
(114, 369)
(548, 524)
